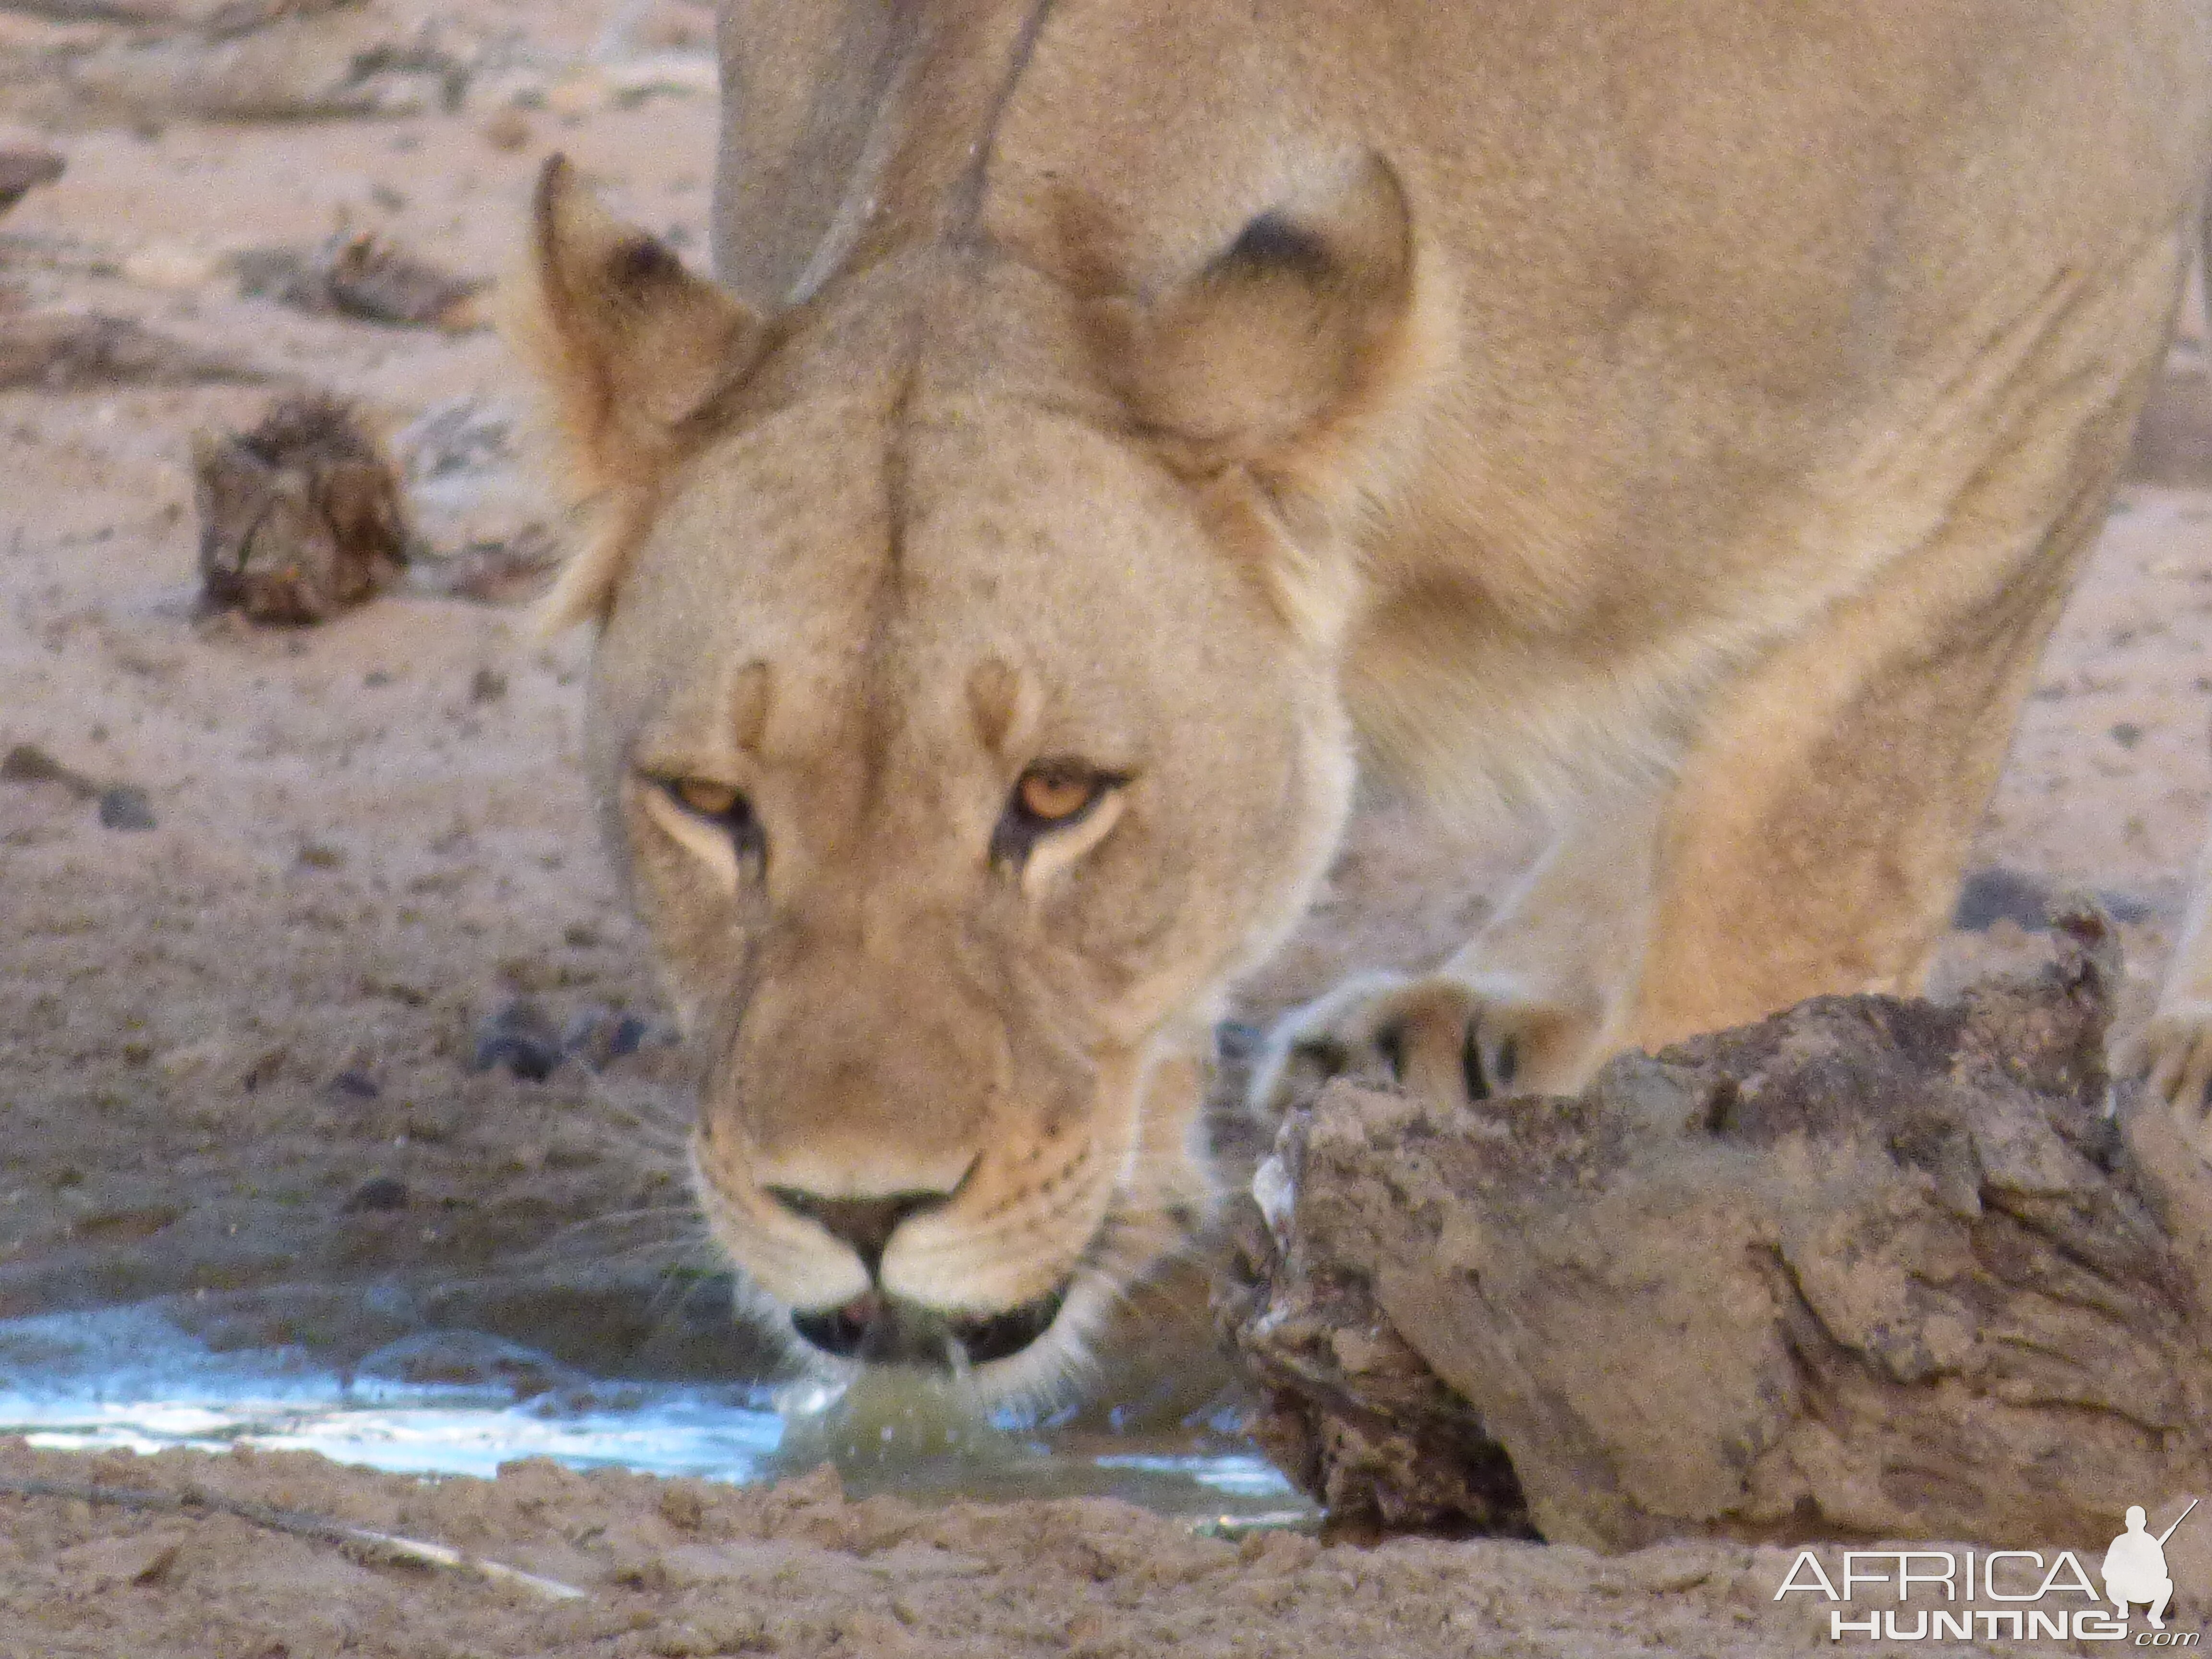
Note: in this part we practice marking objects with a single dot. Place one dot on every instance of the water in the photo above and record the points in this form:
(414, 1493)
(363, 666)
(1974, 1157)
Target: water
(128, 1378)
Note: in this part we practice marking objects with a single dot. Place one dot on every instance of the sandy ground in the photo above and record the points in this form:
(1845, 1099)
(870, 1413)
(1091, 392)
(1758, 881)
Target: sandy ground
(236, 1047)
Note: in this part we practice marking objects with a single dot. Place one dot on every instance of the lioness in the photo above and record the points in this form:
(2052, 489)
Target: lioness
(1124, 417)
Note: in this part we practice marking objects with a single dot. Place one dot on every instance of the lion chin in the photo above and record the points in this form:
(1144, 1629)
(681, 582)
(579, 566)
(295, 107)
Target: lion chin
(1029, 1357)
(1035, 1354)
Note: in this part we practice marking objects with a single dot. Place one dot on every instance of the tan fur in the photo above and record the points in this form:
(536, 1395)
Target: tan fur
(2173, 1053)
(1685, 420)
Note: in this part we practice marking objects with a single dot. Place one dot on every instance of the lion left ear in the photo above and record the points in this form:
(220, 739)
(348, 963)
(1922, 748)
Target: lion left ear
(1293, 353)
(628, 345)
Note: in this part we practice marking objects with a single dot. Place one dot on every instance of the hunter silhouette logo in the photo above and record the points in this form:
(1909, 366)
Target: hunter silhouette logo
(2134, 1566)
(2031, 1594)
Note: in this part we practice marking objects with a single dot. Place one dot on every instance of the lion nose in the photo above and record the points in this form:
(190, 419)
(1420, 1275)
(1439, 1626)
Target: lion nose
(865, 1223)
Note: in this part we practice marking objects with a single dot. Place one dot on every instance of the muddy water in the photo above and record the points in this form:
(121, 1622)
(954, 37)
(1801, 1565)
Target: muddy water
(128, 1377)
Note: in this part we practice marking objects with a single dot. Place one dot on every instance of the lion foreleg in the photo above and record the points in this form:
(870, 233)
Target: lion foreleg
(2174, 1051)
(1531, 1005)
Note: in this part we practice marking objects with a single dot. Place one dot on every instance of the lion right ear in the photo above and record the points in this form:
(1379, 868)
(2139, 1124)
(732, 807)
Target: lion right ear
(628, 345)
(626, 340)
(1295, 355)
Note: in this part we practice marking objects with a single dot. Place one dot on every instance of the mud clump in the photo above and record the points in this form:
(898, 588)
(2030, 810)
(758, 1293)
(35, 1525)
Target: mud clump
(365, 276)
(300, 518)
(1873, 1268)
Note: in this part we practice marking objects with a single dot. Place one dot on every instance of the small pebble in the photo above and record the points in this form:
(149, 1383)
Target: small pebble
(268, 1066)
(380, 1193)
(28, 763)
(523, 1038)
(125, 808)
(507, 129)
(599, 1037)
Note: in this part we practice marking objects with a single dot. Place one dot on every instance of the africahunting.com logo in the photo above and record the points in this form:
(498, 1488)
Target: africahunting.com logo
(2033, 1596)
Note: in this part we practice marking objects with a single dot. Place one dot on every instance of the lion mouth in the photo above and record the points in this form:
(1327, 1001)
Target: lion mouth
(877, 1329)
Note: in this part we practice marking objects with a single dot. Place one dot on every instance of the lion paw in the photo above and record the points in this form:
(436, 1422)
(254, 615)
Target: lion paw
(1437, 1038)
(2173, 1055)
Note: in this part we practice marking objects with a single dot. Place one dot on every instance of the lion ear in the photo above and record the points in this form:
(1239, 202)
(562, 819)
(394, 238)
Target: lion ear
(1293, 352)
(627, 342)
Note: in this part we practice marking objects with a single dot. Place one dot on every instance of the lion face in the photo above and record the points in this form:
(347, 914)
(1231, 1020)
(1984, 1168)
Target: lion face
(961, 748)
(932, 810)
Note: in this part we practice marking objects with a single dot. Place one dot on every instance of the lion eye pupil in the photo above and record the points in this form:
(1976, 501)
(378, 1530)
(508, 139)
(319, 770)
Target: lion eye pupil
(1052, 797)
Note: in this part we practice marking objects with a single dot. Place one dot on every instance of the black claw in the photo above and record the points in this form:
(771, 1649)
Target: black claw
(1470, 1066)
(1390, 1043)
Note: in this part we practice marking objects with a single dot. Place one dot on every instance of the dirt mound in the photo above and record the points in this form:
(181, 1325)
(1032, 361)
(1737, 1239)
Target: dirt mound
(688, 1567)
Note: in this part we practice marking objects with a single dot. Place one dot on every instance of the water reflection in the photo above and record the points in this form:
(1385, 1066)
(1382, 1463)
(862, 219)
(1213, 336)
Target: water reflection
(128, 1378)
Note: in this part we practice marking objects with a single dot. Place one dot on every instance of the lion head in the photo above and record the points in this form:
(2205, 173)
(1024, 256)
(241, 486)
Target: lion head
(964, 713)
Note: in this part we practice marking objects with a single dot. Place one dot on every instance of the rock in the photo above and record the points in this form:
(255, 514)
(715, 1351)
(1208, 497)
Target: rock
(599, 1037)
(278, 62)
(211, 17)
(22, 171)
(511, 570)
(125, 808)
(300, 518)
(26, 762)
(360, 274)
(523, 1038)
(459, 435)
(1873, 1268)
(64, 351)
(122, 806)
(507, 129)
(378, 1195)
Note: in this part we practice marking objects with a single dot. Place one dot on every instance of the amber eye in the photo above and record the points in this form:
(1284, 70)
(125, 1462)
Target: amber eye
(1054, 797)
(709, 801)
(724, 805)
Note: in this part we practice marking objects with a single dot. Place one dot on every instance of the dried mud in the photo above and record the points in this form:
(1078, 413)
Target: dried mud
(1872, 1267)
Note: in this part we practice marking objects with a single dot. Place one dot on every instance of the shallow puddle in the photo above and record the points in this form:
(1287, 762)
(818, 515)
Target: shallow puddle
(128, 1378)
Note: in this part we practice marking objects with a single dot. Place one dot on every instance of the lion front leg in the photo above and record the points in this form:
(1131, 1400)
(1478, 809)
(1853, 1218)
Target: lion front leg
(2174, 1053)
(1810, 842)
(1811, 839)
(1531, 1006)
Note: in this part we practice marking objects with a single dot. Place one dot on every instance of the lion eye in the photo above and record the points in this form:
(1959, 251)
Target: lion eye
(709, 801)
(723, 806)
(1052, 795)
(1057, 796)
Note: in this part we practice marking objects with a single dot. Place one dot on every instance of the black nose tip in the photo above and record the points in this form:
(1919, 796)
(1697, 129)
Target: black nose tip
(866, 1224)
